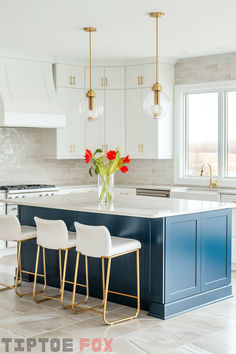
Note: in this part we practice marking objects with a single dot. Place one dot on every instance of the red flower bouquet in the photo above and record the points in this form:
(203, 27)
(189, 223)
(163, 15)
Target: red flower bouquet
(105, 165)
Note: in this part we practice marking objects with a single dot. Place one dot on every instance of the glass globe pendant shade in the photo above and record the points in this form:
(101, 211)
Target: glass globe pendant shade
(91, 114)
(156, 111)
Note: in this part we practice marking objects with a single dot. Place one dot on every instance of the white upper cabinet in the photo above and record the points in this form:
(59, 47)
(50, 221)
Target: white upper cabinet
(145, 136)
(71, 76)
(133, 76)
(111, 77)
(97, 78)
(94, 130)
(134, 123)
(68, 142)
(114, 77)
(115, 120)
(140, 76)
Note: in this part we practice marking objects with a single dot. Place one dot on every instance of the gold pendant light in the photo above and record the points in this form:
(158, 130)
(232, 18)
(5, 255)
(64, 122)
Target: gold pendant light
(92, 108)
(156, 102)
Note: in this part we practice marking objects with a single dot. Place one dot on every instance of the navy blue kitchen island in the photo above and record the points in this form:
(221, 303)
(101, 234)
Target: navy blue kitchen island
(185, 260)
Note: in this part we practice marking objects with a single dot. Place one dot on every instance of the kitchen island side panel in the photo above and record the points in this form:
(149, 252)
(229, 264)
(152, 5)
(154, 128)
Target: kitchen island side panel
(149, 232)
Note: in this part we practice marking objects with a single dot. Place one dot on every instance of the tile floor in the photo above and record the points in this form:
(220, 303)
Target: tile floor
(210, 329)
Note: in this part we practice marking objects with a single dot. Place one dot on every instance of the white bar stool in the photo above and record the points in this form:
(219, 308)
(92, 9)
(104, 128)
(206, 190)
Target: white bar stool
(11, 230)
(96, 241)
(53, 234)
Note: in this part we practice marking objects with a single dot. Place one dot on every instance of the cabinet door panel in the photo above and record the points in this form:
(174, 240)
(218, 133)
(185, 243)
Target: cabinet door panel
(133, 122)
(149, 131)
(114, 119)
(216, 244)
(94, 131)
(63, 139)
(77, 124)
(148, 75)
(63, 75)
(114, 77)
(165, 124)
(133, 73)
(182, 263)
(78, 77)
(97, 78)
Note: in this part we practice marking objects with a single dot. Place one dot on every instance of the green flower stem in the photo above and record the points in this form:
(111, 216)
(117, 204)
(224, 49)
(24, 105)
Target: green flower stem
(105, 189)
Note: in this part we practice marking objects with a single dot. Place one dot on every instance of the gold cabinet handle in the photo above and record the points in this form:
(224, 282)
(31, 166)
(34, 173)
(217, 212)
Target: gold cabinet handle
(106, 81)
(102, 82)
(138, 147)
(123, 193)
(70, 148)
(139, 80)
(73, 147)
(74, 80)
(70, 80)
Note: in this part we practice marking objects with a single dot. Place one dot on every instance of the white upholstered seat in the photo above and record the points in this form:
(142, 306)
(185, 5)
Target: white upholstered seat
(121, 245)
(11, 230)
(96, 241)
(53, 234)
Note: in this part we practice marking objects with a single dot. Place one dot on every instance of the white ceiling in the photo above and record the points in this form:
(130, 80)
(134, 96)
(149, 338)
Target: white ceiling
(54, 28)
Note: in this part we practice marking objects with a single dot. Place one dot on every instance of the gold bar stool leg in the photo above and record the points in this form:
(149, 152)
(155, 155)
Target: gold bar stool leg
(19, 272)
(79, 304)
(75, 282)
(106, 290)
(114, 292)
(45, 297)
(63, 281)
(36, 272)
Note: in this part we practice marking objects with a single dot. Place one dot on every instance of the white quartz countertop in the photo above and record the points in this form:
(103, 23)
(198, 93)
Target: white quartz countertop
(137, 206)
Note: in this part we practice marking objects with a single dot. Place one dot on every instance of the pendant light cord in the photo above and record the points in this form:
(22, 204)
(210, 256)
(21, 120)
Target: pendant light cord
(156, 49)
(90, 60)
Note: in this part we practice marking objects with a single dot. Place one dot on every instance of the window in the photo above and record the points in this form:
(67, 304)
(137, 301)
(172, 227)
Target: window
(231, 146)
(202, 131)
(205, 131)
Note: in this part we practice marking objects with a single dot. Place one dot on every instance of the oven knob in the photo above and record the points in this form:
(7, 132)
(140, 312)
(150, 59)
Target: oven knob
(40, 195)
(16, 197)
(46, 195)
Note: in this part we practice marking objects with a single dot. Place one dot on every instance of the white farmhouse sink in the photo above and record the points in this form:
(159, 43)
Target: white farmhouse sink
(196, 193)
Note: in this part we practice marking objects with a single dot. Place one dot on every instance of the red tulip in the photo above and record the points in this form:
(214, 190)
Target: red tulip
(111, 155)
(124, 169)
(126, 159)
(88, 155)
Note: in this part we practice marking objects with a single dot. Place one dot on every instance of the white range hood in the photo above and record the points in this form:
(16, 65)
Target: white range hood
(27, 95)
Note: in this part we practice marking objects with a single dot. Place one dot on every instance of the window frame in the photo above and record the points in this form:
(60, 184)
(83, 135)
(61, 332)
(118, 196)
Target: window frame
(180, 133)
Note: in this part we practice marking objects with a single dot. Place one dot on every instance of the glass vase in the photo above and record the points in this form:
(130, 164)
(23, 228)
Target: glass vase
(105, 188)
